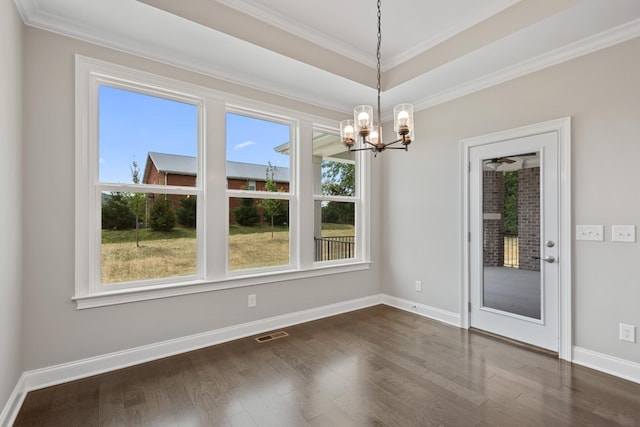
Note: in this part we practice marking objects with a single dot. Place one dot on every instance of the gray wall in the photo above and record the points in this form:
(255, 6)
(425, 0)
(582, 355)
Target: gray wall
(11, 210)
(421, 226)
(54, 331)
(422, 221)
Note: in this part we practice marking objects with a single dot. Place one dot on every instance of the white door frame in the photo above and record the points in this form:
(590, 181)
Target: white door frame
(563, 128)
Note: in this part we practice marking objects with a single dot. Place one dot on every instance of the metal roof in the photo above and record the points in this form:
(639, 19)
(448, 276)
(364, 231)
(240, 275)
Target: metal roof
(187, 165)
(174, 163)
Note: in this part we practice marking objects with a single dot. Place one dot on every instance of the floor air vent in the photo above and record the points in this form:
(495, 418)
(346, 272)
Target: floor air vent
(273, 336)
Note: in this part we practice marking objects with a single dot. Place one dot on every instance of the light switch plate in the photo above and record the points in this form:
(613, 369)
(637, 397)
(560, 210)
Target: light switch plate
(590, 232)
(623, 233)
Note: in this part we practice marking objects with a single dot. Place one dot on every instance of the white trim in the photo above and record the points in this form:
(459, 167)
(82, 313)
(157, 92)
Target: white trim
(127, 295)
(12, 407)
(434, 313)
(212, 106)
(563, 128)
(608, 364)
(34, 17)
(65, 372)
(566, 53)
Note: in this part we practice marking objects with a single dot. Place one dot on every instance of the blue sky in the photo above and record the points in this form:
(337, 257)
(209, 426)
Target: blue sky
(133, 124)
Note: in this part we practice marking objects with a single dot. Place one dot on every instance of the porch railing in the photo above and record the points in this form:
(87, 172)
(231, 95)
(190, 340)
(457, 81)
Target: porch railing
(511, 255)
(334, 247)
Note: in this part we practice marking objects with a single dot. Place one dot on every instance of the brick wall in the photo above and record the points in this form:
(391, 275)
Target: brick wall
(493, 228)
(529, 218)
(239, 184)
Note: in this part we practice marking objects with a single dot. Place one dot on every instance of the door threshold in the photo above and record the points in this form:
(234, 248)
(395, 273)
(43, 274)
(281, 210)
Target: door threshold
(522, 344)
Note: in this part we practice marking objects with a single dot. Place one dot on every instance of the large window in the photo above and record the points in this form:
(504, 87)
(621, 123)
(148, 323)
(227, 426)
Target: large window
(335, 184)
(258, 170)
(145, 142)
(180, 189)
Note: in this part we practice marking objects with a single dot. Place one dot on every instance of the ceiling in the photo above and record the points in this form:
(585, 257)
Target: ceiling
(323, 52)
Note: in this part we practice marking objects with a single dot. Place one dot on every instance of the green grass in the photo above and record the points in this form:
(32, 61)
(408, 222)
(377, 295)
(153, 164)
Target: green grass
(173, 253)
(347, 227)
(146, 234)
(261, 228)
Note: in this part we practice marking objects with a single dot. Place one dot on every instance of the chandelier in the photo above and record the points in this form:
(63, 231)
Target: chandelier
(368, 132)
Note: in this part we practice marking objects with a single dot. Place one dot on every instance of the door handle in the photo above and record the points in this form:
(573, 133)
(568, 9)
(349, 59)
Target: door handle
(548, 259)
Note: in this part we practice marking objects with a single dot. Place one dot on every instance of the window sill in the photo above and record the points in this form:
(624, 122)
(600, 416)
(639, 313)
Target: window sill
(124, 296)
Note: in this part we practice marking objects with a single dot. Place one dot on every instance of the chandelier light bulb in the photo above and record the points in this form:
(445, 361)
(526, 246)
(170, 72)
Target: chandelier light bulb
(403, 118)
(348, 131)
(363, 119)
(374, 137)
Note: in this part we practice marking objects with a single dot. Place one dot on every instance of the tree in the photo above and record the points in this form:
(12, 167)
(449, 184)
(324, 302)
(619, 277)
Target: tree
(162, 217)
(116, 213)
(273, 209)
(338, 179)
(511, 202)
(187, 212)
(137, 200)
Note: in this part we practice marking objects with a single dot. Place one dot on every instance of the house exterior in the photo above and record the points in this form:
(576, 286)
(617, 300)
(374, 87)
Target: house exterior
(173, 169)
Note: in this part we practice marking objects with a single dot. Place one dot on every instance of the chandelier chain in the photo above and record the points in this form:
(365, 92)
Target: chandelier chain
(378, 56)
(364, 128)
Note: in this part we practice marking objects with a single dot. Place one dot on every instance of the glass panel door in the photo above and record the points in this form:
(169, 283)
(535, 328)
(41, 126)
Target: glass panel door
(511, 234)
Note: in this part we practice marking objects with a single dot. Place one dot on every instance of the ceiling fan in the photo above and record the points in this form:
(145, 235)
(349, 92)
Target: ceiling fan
(496, 162)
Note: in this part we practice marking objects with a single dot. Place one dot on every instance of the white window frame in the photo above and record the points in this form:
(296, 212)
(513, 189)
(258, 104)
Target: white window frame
(360, 252)
(258, 195)
(211, 191)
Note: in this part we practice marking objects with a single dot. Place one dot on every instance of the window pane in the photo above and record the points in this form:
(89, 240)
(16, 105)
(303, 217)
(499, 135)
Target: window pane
(334, 166)
(258, 233)
(334, 230)
(160, 135)
(162, 245)
(257, 149)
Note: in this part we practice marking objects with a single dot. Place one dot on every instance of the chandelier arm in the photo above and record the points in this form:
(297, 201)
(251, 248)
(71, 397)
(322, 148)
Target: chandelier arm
(392, 142)
(362, 149)
(368, 142)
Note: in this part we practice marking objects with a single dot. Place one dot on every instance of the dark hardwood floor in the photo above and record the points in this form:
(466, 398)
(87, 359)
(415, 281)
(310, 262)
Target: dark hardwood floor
(379, 366)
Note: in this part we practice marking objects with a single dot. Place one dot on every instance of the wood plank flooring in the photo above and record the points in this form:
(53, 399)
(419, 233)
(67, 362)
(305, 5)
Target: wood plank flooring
(374, 367)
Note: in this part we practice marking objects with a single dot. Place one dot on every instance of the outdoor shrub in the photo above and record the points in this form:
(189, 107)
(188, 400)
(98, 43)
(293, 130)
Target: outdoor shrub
(116, 213)
(162, 217)
(338, 213)
(247, 212)
(187, 212)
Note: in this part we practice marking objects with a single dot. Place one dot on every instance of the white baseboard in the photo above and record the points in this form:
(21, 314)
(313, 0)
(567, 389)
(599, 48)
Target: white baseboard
(11, 409)
(423, 310)
(59, 374)
(608, 364)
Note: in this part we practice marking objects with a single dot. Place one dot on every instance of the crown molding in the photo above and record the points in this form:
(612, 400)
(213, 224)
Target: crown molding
(264, 13)
(32, 16)
(415, 50)
(605, 39)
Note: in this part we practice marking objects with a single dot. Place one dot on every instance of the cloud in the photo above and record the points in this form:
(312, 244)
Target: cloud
(243, 145)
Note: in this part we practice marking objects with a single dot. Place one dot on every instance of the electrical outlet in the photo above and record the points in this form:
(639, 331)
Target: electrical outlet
(627, 333)
(252, 300)
(418, 285)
